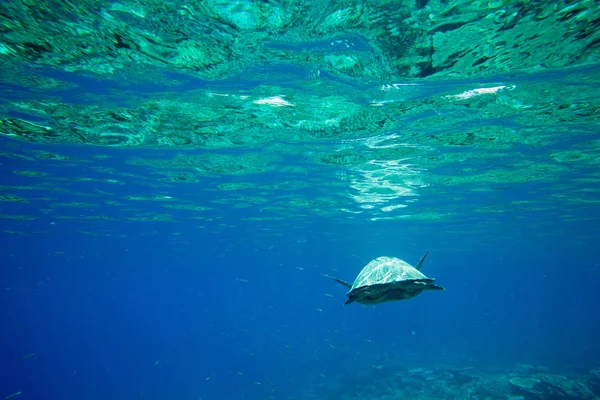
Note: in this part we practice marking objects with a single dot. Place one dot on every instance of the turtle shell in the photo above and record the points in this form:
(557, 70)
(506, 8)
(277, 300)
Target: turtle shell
(386, 270)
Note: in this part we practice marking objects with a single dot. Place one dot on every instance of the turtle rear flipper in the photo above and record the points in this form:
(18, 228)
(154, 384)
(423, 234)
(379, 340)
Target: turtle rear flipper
(426, 284)
(341, 282)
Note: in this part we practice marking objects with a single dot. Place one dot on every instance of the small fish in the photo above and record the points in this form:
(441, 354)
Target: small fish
(10, 396)
(208, 378)
(328, 295)
(242, 280)
(319, 309)
(28, 356)
(257, 383)
(157, 362)
(240, 373)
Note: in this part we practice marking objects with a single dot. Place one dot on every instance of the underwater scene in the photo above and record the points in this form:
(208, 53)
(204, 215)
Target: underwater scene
(299, 200)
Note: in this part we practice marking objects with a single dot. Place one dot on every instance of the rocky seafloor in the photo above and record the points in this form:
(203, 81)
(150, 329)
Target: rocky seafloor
(521, 382)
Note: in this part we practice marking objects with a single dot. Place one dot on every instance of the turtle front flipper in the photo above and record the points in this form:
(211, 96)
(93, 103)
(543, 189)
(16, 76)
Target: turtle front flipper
(341, 282)
(422, 260)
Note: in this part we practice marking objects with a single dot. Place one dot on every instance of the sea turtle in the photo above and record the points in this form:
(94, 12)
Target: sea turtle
(387, 279)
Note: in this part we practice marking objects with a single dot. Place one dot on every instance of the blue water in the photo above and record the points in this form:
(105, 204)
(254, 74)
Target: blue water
(167, 310)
